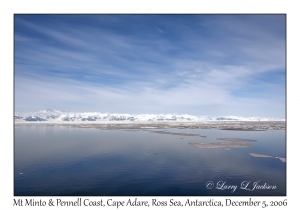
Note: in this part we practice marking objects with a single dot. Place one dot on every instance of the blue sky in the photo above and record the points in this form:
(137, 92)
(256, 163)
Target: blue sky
(186, 64)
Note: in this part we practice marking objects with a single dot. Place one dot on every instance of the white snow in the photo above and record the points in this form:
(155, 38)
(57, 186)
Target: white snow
(48, 115)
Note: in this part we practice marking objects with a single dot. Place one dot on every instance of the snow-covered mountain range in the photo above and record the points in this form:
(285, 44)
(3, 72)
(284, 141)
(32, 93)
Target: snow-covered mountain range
(61, 116)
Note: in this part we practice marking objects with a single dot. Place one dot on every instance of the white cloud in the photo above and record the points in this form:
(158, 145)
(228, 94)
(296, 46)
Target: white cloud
(100, 70)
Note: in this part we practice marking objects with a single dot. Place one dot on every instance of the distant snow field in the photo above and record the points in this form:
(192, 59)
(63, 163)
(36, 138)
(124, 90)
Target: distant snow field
(49, 115)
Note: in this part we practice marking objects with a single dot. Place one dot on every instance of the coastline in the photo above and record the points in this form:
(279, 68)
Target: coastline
(223, 125)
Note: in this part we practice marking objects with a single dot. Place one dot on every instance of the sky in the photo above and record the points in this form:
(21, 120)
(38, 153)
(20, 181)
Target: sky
(216, 65)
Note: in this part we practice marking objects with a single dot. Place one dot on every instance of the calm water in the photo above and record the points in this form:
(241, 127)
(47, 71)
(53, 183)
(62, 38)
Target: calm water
(57, 160)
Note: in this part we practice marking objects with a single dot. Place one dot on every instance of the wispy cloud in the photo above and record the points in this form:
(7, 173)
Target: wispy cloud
(231, 65)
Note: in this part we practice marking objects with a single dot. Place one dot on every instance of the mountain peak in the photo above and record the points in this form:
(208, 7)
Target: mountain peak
(58, 116)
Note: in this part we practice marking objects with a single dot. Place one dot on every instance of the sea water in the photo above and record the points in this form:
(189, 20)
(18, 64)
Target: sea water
(62, 160)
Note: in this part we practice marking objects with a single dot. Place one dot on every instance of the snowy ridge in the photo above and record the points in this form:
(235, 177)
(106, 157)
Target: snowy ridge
(59, 116)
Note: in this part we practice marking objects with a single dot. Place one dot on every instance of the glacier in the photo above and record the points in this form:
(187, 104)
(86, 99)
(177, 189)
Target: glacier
(48, 115)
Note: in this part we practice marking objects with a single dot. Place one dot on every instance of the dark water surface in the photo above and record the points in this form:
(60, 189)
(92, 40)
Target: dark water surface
(58, 160)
